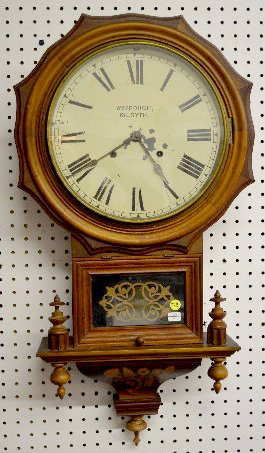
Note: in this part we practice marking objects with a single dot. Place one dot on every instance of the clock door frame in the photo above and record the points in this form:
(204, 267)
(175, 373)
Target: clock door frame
(86, 335)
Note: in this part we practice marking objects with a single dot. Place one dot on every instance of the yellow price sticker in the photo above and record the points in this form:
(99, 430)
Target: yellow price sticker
(175, 304)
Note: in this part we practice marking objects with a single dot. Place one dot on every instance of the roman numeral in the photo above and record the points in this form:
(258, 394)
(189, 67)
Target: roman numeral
(105, 188)
(190, 103)
(164, 84)
(67, 138)
(137, 75)
(191, 166)
(104, 80)
(80, 104)
(137, 200)
(167, 186)
(199, 135)
(78, 166)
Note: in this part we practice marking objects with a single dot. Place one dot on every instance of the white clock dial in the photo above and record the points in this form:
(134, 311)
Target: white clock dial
(136, 132)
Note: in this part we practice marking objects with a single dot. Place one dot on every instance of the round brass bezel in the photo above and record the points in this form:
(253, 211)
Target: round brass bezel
(221, 151)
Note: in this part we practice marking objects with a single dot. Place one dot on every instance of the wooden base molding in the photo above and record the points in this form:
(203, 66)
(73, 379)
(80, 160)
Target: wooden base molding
(137, 373)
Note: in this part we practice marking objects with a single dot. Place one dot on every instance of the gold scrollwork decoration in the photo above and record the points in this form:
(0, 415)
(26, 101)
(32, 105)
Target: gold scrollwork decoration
(128, 301)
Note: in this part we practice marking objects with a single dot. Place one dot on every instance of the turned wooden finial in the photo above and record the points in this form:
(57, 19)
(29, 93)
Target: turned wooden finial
(216, 332)
(58, 335)
(218, 372)
(60, 377)
(136, 424)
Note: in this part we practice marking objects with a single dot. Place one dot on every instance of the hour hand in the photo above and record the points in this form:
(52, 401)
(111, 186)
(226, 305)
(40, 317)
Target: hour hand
(90, 166)
(81, 164)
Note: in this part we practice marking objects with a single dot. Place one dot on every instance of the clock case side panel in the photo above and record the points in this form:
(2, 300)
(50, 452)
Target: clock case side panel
(87, 336)
(34, 96)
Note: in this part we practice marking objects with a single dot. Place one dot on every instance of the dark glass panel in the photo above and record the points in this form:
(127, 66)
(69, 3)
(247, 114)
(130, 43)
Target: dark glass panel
(138, 299)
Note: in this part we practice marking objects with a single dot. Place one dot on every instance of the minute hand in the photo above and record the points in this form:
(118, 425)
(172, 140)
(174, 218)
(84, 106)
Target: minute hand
(157, 167)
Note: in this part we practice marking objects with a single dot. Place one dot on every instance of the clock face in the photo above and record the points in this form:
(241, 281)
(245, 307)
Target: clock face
(136, 132)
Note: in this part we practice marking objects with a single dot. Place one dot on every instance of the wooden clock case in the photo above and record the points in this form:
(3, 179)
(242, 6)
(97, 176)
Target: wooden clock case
(135, 359)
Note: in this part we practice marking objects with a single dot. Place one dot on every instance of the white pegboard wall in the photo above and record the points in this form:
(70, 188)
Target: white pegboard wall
(35, 265)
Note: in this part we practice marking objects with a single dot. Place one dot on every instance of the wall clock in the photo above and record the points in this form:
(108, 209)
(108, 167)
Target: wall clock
(135, 134)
